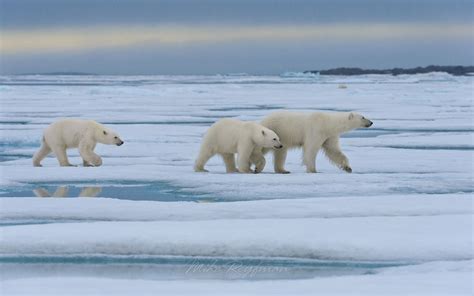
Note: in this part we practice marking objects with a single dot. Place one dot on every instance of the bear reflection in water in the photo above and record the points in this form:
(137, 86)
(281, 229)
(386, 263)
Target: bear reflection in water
(62, 191)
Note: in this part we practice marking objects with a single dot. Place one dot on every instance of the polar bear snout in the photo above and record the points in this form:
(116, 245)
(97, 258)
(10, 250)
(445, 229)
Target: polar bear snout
(118, 141)
(366, 122)
(276, 143)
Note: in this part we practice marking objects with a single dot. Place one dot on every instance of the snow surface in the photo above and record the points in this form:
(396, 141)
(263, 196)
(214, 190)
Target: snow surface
(370, 238)
(401, 223)
(75, 209)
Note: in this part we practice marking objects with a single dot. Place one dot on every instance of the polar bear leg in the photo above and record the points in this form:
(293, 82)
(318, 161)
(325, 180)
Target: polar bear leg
(333, 151)
(61, 155)
(92, 160)
(61, 191)
(229, 160)
(244, 151)
(89, 158)
(279, 158)
(265, 150)
(310, 151)
(41, 192)
(258, 159)
(204, 155)
(90, 191)
(41, 154)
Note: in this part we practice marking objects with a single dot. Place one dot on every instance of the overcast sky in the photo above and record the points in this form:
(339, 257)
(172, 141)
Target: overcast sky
(227, 36)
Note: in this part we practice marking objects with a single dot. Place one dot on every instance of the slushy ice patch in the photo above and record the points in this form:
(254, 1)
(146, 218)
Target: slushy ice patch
(175, 268)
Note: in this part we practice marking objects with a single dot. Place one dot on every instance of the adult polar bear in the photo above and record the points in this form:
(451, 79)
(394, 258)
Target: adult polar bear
(312, 131)
(75, 133)
(229, 136)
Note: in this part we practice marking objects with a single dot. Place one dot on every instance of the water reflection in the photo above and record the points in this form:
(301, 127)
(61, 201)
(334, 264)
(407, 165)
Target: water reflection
(62, 191)
(118, 189)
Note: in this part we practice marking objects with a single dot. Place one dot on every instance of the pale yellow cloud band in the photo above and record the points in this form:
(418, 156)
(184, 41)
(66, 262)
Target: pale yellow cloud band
(83, 39)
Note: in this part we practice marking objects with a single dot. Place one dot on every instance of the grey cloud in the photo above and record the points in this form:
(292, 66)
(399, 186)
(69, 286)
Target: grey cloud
(268, 58)
(51, 13)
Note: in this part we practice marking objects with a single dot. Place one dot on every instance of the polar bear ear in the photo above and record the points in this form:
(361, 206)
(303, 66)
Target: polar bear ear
(263, 132)
(351, 115)
(105, 133)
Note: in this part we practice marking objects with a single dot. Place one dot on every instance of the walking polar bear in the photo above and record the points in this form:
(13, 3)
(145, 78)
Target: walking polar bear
(75, 133)
(229, 136)
(312, 131)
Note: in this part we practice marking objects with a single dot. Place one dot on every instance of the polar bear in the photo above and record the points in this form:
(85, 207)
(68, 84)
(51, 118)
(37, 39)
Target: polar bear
(312, 131)
(75, 133)
(229, 136)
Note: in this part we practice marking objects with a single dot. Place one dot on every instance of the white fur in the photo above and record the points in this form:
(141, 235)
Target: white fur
(229, 136)
(75, 133)
(312, 131)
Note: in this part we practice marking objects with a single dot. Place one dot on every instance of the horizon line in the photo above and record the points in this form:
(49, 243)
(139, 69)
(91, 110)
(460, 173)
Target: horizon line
(80, 73)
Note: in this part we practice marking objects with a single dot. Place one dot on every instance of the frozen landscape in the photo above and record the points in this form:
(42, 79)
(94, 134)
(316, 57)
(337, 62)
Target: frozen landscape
(146, 223)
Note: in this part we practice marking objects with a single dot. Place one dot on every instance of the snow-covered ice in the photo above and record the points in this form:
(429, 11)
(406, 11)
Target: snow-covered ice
(424, 279)
(401, 223)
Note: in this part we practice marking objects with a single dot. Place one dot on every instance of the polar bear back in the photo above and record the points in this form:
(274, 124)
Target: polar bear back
(296, 128)
(224, 135)
(289, 126)
(70, 132)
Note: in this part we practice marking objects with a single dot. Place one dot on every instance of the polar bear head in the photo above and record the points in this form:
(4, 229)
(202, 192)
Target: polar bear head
(267, 138)
(108, 137)
(356, 120)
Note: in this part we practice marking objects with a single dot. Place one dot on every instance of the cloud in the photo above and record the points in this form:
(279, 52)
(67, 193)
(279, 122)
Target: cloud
(73, 40)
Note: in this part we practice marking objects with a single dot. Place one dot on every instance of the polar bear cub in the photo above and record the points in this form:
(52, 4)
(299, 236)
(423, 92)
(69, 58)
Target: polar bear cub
(75, 133)
(229, 136)
(312, 131)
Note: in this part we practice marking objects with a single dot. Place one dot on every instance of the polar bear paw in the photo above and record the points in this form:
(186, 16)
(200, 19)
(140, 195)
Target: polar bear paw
(347, 169)
(259, 166)
(93, 161)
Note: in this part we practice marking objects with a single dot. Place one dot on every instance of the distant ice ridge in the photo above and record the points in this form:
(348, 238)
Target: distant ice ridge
(230, 78)
(242, 74)
(429, 77)
(300, 75)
